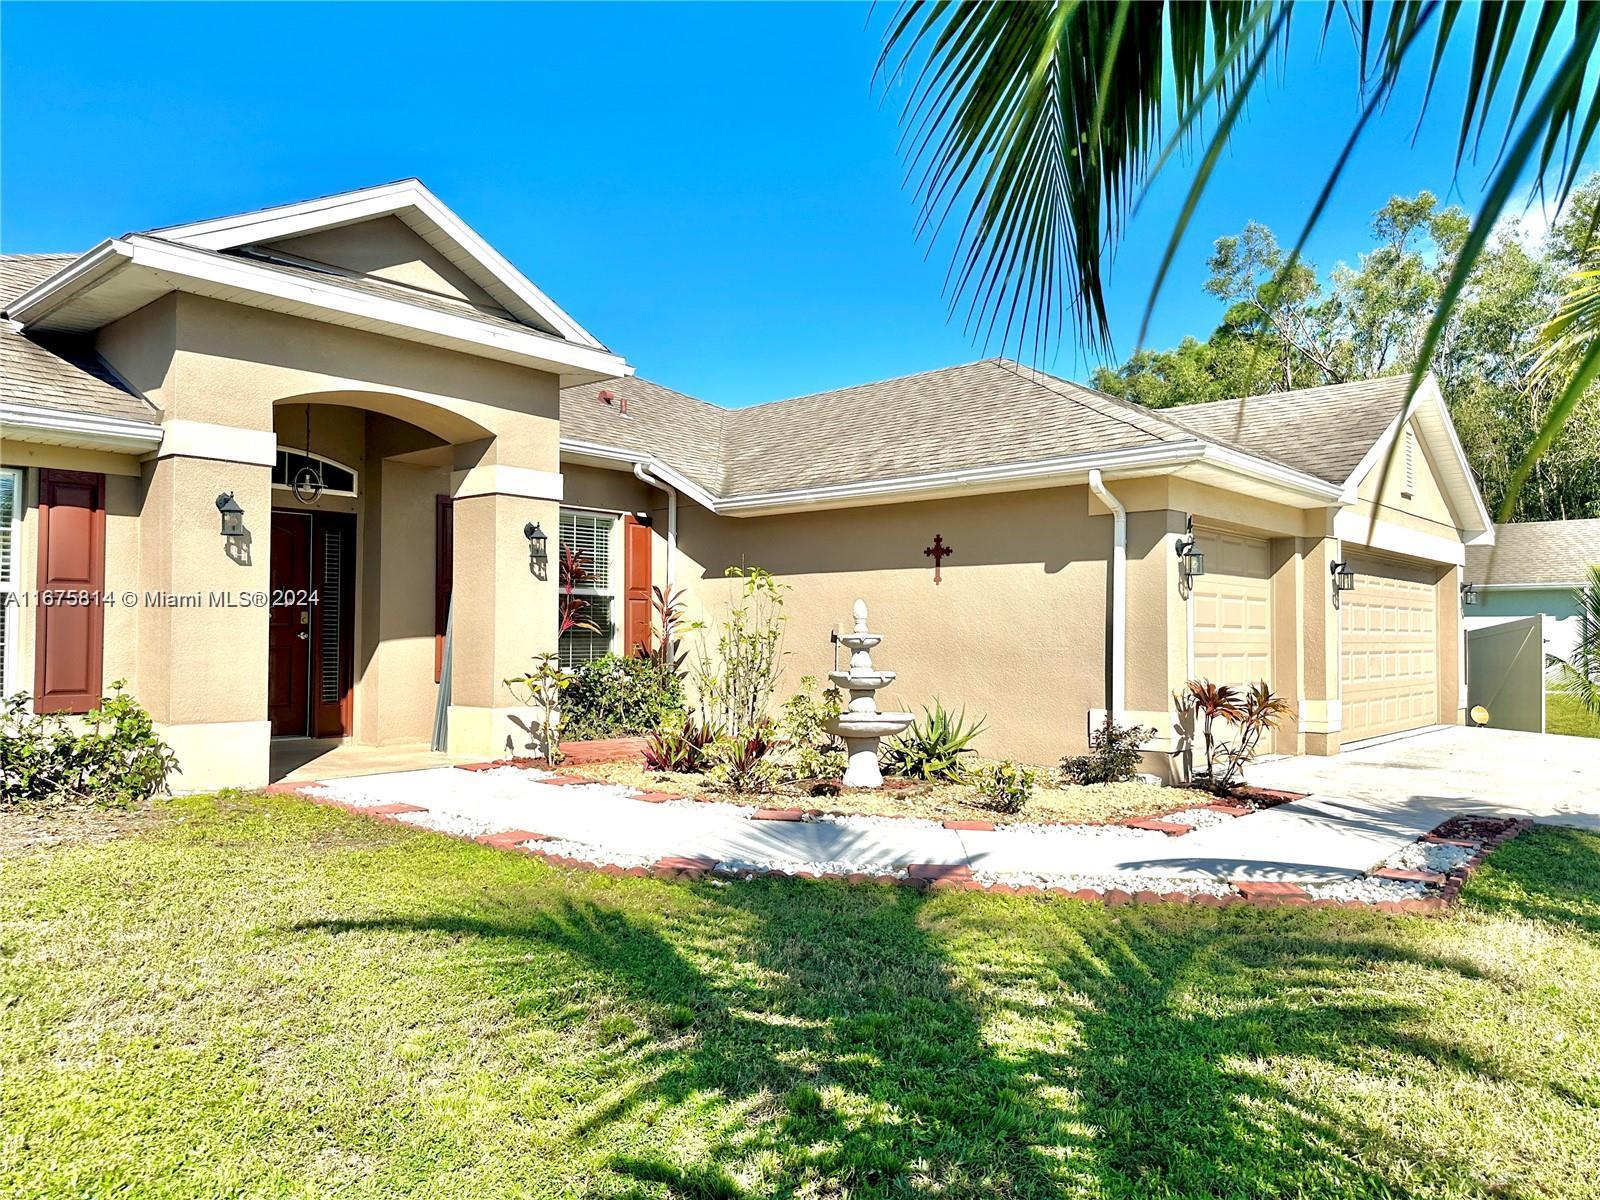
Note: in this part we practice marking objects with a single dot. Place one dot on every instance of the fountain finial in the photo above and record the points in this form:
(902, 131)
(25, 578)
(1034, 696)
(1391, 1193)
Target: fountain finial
(859, 609)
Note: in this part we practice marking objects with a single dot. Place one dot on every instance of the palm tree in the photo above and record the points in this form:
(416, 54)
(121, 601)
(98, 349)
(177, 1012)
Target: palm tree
(1580, 674)
(1038, 127)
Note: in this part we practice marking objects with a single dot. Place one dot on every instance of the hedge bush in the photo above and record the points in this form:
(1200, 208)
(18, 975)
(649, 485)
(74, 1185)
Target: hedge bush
(620, 697)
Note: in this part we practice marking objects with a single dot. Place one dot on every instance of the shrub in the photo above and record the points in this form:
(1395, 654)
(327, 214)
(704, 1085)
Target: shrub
(743, 763)
(620, 697)
(1006, 786)
(110, 757)
(1113, 754)
(681, 750)
(814, 753)
(1250, 713)
(933, 746)
(541, 689)
(734, 687)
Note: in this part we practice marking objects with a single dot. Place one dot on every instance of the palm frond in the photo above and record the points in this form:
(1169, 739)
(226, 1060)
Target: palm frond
(1580, 674)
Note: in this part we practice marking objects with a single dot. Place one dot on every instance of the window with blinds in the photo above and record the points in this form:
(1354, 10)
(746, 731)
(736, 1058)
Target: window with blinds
(10, 547)
(588, 586)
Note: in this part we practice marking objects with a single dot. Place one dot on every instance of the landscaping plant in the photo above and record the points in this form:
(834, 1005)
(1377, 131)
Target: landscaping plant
(1580, 672)
(1250, 714)
(932, 747)
(1207, 703)
(734, 686)
(1113, 754)
(743, 763)
(541, 689)
(620, 697)
(813, 752)
(668, 627)
(110, 757)
(681, 749)
(1005, 786)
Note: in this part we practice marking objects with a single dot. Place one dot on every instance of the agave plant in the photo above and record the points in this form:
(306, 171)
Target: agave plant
(932, 747)
(1035, 130)
(1580, 673)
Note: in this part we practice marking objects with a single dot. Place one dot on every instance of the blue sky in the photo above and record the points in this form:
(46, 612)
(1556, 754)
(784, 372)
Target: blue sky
(714, 190)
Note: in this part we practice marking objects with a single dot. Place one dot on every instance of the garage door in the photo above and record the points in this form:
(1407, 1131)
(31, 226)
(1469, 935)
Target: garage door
(1232, 610)
(1389, 653)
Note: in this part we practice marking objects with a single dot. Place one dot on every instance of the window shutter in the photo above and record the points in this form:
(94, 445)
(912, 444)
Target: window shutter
(443, 575)
(70, 630)
(636, 583)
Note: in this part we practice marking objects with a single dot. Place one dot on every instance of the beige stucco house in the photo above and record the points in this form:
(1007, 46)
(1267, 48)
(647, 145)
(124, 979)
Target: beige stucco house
(372, 342)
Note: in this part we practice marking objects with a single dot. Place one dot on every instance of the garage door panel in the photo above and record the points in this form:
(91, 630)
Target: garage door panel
(1389, 654)
(1232, 609)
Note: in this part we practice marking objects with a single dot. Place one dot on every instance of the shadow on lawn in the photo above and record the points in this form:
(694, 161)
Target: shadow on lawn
(874, 1042)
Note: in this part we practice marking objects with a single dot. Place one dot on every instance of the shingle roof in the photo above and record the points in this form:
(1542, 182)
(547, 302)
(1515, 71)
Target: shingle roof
(980, 414)
(57, 373)
(1529, 552)
(1323, 431)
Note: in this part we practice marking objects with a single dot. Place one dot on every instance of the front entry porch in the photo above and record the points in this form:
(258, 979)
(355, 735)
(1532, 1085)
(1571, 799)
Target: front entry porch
(304, 759)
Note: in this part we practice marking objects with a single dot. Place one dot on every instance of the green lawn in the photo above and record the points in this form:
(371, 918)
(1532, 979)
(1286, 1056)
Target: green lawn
(1563, 714)
(258, 997)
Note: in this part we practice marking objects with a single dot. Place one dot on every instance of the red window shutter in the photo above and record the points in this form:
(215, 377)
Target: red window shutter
(443, 576)
(70, 629)
(636, 586)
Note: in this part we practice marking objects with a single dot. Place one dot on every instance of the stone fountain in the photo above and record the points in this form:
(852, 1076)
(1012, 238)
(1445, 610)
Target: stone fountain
(861, 725)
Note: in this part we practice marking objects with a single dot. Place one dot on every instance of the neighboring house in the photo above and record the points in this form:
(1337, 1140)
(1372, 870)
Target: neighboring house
(450, 405)
(1536, 568)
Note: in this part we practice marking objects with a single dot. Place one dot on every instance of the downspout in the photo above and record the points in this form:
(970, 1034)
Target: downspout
(1117, 618)
(642, 473)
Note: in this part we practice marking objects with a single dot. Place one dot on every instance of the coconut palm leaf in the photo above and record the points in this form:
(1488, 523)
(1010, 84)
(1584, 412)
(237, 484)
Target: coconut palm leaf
(1040, 124)
(1580, 674)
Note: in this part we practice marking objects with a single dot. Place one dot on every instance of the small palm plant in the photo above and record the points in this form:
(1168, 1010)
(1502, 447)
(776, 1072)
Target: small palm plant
(1580, 672)
(1210, 702)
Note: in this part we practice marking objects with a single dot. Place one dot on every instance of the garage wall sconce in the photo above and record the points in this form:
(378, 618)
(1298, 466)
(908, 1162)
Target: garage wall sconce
(1344, 576)
(1191, 559)
(232, 516)
(1469, 594)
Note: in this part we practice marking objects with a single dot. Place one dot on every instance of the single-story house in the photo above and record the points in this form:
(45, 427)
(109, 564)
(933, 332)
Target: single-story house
(1535, 568)
(393, 409)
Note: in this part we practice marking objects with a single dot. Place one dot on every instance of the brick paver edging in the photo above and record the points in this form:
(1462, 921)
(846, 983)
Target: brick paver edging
(948, 876)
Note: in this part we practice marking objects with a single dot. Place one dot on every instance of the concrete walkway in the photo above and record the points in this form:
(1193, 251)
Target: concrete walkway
(1316, 840)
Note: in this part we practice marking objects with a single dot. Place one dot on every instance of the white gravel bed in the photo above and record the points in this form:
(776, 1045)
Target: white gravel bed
(1198, 818)
(460, 824)
(353, 793)
(1126, 881)
(1429, 856)
(593, 855)
(1368, 889)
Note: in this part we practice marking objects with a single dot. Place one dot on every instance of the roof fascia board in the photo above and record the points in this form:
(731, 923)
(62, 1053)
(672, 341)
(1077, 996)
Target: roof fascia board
(1274, 473)
(331, 212)
(185, 262)
(1554, 585)
(55, 290)
(578, 448)
(83, 429)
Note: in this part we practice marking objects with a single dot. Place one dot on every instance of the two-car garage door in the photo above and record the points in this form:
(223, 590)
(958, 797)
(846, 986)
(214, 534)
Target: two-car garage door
(1389, 648)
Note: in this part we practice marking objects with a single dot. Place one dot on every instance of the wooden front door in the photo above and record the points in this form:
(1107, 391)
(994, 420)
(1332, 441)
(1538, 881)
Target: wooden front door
(311, 624)
(289, 626)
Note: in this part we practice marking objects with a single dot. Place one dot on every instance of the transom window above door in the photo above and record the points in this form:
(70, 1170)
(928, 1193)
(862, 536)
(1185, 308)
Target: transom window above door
(337, 479)
(587, 587)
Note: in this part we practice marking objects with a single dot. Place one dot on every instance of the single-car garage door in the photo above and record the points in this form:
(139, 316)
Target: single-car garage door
(1232, 605)
(1389, 650)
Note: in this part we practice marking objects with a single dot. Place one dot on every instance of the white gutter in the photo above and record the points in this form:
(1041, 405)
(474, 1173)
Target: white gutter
(1117, 618)
(642, 473)
(61, 427)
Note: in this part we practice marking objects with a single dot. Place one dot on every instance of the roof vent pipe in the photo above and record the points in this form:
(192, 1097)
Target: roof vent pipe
(1117, 617)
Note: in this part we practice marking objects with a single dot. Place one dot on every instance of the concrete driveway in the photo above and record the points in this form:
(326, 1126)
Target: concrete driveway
(1455, 769)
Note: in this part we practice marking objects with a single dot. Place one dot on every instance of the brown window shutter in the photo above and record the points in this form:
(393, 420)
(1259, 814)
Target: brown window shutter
(70, 630)
(636, 586)
(444, 543)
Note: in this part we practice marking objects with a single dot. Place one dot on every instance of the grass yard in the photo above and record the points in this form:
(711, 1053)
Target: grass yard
(933, 801)
(1563, 714)
(253, 996)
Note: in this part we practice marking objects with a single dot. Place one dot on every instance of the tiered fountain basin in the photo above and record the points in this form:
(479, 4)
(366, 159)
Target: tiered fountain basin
(861, 725)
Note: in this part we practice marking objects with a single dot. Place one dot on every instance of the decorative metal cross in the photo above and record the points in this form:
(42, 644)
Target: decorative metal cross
(938, 551)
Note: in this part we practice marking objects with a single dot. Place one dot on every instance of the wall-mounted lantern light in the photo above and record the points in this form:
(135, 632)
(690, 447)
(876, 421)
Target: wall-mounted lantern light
(538, 539)
(1344, 576)
(232, 516)
(1191, 560)
(1469, 594)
